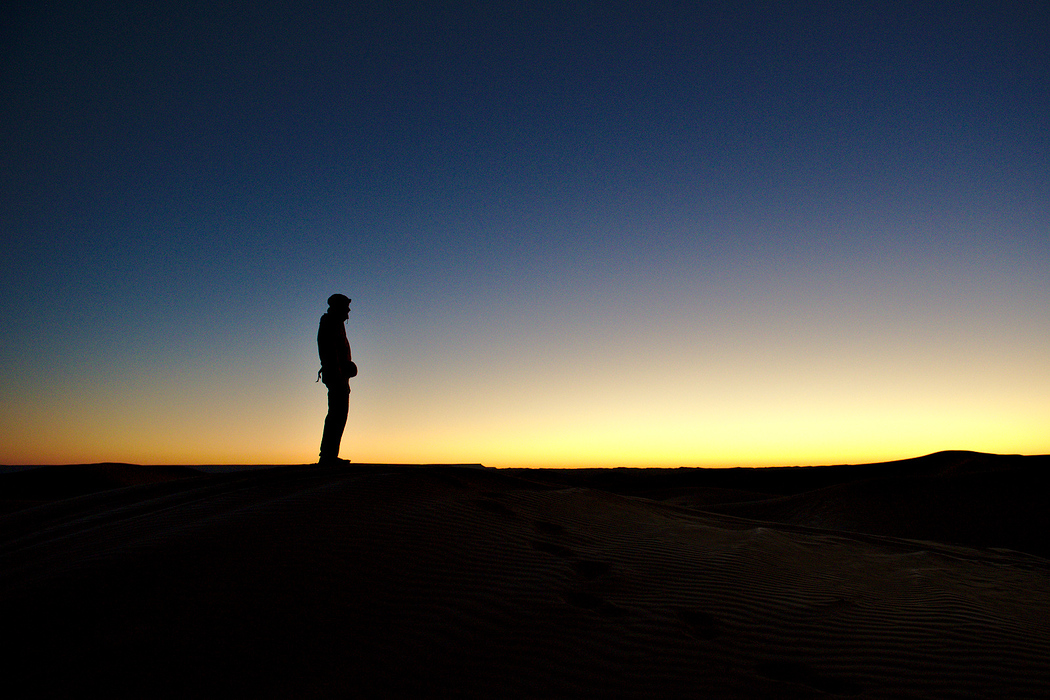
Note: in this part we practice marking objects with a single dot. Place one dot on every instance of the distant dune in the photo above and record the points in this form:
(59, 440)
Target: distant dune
(964, 498)
(925, 578)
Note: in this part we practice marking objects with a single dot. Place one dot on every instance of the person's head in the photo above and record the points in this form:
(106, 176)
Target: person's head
(339, 305)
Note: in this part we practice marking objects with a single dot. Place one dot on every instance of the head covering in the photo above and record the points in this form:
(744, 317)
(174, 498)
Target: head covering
(338, 301)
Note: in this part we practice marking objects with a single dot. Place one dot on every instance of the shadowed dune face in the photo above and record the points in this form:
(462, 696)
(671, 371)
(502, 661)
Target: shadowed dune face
(1001, 509)
(962, 498)
(32, 487)
(298, 582)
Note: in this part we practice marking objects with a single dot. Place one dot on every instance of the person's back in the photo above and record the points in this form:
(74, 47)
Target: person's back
(333, 348)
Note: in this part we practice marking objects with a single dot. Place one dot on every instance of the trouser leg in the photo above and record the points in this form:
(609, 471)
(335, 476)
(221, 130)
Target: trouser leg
(335, 421)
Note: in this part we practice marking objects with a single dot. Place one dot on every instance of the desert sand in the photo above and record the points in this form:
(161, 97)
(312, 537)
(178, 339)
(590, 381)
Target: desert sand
(925, 578)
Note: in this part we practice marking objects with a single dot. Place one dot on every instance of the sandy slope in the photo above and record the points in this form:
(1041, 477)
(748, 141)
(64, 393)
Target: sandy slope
(381, 581)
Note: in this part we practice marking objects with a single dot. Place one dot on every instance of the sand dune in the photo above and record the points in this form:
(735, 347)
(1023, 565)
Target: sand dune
(382, 581)
(962, 498)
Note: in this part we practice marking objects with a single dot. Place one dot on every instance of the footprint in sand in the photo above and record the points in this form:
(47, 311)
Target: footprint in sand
(591, 569)
(545, 528)
(701, 625)
(585, 568)
(495, 507)
(802, 674)
(552, 548)
(589, 601)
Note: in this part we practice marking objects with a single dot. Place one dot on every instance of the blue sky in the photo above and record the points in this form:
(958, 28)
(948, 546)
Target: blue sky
(574, 233)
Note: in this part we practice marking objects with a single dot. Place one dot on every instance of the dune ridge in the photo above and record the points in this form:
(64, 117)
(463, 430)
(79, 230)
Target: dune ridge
(382, 581)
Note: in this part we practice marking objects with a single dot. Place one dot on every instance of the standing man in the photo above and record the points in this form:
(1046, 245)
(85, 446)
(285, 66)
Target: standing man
(336, 370)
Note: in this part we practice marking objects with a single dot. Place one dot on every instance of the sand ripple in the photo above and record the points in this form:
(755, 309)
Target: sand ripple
(304, 582)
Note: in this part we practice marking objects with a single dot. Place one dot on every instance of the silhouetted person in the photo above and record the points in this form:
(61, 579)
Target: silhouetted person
(336, 370)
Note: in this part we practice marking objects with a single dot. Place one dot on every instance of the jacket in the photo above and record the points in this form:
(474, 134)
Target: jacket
(333, 349)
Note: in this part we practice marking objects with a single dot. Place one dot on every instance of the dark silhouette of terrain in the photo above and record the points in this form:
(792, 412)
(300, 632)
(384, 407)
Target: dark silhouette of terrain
(56, 482)
(964, 498)
(955, 497)
(382, 580)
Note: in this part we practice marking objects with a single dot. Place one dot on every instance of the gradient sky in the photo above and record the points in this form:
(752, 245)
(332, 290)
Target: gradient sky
(575, 233)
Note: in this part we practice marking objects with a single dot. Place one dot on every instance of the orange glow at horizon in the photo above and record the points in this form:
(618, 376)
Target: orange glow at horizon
(575, 418)
(866, 371)
(578, 238)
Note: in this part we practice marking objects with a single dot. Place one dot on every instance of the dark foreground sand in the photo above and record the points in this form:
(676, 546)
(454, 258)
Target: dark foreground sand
(924, 578)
